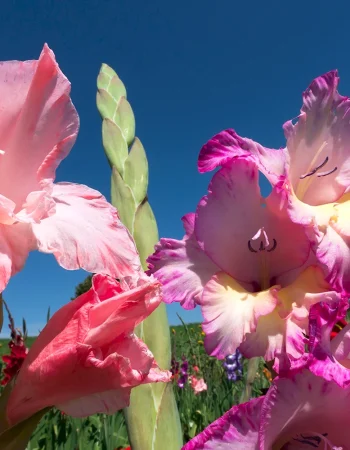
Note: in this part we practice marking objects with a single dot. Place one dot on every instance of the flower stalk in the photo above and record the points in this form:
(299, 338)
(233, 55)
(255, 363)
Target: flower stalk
(152, 418)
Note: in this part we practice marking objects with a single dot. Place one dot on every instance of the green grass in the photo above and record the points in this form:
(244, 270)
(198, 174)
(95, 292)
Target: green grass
(101, 432)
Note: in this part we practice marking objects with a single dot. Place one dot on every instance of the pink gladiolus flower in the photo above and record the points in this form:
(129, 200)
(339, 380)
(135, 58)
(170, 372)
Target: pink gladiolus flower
(298, 413)
(198, 385)
(312, 172)
(247, 265)
(87, 358)
(38, 127)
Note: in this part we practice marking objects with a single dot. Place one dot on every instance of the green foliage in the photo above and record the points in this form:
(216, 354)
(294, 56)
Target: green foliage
(83, 287)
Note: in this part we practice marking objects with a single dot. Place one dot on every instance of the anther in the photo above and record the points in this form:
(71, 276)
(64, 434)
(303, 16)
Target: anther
(324, 174)
(262, 247)
(251, 248)
(313, 171)
(274, 245)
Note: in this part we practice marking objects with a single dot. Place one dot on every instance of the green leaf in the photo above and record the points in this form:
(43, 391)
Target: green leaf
(106, 104)
(123, 200)
(114, 144)
(145, 232)
(136, 171)
(125, 119)
(17, 437)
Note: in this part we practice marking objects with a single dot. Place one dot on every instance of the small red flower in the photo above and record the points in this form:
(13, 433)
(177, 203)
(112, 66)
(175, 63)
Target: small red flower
(13, 361)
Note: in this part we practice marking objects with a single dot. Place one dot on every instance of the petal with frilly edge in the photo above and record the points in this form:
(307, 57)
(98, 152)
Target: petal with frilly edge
(301, 407)
(38, 124)
(227, 145)
(234, 222)
(281, 334)
(121, 313)
(235, 430)
(127, 365)
(182, 267)
(230, 312)
(329, 359)
(318, 143)
(86, 232)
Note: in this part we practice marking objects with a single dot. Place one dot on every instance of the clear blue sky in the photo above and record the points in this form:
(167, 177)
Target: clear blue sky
(191, 68)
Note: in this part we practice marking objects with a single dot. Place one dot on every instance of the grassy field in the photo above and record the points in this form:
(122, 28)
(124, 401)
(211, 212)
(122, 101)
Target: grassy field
(100, 432)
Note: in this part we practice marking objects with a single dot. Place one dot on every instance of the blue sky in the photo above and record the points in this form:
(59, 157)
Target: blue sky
(191, 68)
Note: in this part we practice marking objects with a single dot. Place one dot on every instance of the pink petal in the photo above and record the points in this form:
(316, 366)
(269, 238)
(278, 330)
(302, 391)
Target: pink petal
(231, 215)
(322, 131)
(237, 429)
(182, 267)
(334, 252)
(230, 312)
(329, 359)
(121, 313)
(267, 340)
(304, 404)
(38, 123)
(16, 241)
(225, 146)
(85, 232)
(108, 402)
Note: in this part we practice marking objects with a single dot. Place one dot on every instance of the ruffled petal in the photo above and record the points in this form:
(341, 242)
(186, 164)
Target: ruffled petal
(302, 406)
(182, 267)
(85, 232)
(329, 360)
(235, 430)
(318, 143)
(227, 145)
(127, 365)
(233, 222)
(38, 123)
(230, 312)
(121, 313)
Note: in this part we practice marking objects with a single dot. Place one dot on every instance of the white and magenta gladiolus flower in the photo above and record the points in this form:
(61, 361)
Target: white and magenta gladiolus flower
(247, 265)
(298, 413)
(38, 126)
(312, 171)
(87, 358)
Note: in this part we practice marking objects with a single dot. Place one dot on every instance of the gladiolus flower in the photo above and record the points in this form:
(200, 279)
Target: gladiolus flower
(311, 173)
(38, 127)
(247, 265)
(87, 358)
(298, 413)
